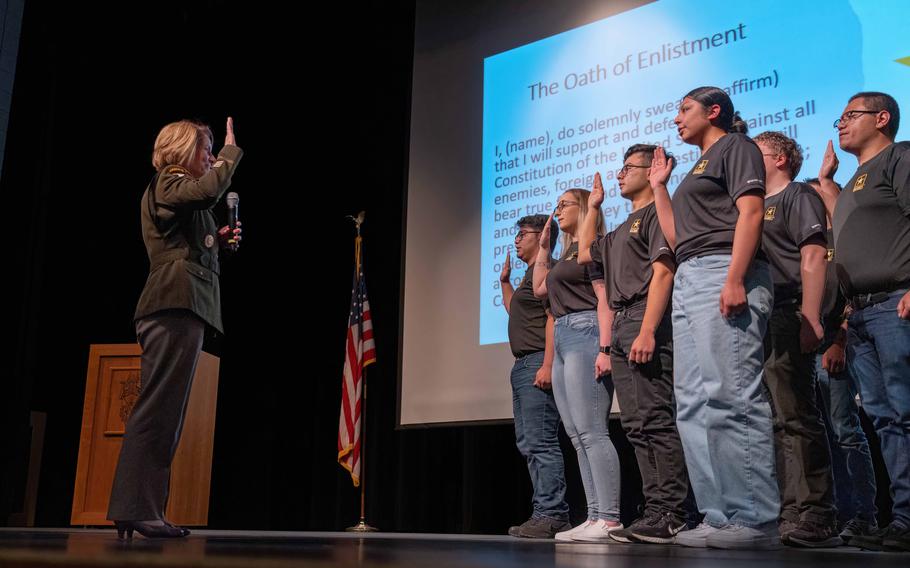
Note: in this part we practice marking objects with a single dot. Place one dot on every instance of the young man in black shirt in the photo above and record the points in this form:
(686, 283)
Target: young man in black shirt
(533, 406)
(872, 256)
(793, 239)
(638, 266)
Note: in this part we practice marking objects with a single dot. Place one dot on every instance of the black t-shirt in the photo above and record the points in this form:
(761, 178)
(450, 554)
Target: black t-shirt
(872, 224)
(833, 301)
(791, 218)
(627, 255)
(527, 318)
(704, 205)
(569, 284)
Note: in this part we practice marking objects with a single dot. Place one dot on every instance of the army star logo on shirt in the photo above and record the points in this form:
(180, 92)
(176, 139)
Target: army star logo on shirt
(700, 168)
(830, 256)
(769, 214)
(860, 182)
(635, 226)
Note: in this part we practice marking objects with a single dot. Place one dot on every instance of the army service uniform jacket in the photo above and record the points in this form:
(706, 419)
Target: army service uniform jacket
(181, 238)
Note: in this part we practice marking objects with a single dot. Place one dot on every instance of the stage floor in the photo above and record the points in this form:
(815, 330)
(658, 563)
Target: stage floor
(77, 548)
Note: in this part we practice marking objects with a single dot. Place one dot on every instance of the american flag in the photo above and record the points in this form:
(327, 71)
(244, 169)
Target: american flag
(360, 351)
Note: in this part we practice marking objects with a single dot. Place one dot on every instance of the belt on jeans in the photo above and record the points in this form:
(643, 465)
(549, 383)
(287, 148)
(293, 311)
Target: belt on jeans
(865, 300)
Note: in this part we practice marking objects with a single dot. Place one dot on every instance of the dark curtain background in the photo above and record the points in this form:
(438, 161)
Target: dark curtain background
(320, 98)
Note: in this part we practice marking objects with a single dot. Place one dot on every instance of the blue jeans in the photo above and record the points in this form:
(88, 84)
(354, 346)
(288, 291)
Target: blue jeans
(722, 410)
(536, 435)
(584, 405)
(854, 475)
(878, 353)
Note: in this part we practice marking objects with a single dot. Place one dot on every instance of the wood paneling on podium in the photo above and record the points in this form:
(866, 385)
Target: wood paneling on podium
(112, 386)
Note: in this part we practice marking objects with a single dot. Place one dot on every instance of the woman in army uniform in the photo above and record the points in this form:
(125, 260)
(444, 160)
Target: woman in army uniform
(180, 300)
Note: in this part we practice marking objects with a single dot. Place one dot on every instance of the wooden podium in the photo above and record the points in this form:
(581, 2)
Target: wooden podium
(111, 389)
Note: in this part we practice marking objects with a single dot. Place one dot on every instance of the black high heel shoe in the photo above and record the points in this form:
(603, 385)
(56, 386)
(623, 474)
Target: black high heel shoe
(148, 530)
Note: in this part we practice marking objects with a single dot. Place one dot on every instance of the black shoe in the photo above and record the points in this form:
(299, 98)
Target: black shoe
(894, 537)
(148, 530)
(808, 534)
(661, 529)
(625, 535)
(516, 530)
(541, 527)
(857, 527)
(897, 538)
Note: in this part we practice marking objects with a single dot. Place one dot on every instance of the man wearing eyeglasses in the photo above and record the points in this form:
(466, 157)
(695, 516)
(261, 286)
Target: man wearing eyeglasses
(533, 405)
(872, 259)
(639, 265)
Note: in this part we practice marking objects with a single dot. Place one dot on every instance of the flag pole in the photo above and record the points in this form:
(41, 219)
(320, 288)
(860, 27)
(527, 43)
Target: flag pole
(362, 526)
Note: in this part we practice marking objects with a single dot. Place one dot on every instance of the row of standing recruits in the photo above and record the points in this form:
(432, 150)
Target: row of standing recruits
(770, 332)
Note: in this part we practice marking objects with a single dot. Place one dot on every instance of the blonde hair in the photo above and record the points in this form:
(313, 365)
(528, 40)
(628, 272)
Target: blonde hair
(581, 195)
(177, 143)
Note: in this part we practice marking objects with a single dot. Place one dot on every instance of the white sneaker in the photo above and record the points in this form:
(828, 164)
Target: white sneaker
(598, 531)
(567, 535)
(697, 537)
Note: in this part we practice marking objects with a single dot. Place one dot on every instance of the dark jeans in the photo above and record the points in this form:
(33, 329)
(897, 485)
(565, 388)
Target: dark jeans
(854, 475)
(648, 412)
(800, 439)
(536, 430)
(878, 352)
(171, 341)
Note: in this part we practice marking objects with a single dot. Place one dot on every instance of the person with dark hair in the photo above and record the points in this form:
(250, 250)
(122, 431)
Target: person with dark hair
(872, 258)
(638, 266)
(181, 299)
(851, 458)
(722, 298)
(794, 241)
(533, 405)
(582, 384)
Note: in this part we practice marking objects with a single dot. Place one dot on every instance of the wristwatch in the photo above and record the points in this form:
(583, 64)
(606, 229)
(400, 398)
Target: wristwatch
(605, 349)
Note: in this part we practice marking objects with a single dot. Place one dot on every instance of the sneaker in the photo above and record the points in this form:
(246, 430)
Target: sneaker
(897, 539)
(784, 528)
(540, 527)
(566, 535)
(625, 535)
(813, 535)
(740, 537)
(893, 537)
(598, 531)
(857, 527)
(697, 537)
(661, 530)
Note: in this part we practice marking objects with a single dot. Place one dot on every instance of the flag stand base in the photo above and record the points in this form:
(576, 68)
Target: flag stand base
(361, 527)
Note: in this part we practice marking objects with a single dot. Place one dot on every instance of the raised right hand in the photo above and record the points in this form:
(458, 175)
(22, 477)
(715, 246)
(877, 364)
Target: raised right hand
(506, 274)
(545, 234)
(661, 166)
(229, 137)
(829, 163)
(597, 193)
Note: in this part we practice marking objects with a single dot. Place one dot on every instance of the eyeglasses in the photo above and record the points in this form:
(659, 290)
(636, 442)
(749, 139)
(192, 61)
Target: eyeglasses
(563, 204)
(851, 115)
(521, 234)
(625, 169)
(771, 155)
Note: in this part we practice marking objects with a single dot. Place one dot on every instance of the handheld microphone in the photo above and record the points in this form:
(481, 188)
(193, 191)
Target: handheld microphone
(233, 203)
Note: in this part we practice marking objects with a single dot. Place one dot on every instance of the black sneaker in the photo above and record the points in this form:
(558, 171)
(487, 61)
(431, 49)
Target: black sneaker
(891, 536)
(661, 529)
(540, 527)
(897, 539)
(625, 535)
(857, 527)
(808, 534)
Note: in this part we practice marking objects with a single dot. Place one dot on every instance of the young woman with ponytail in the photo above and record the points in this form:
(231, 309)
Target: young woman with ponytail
(722, 300)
